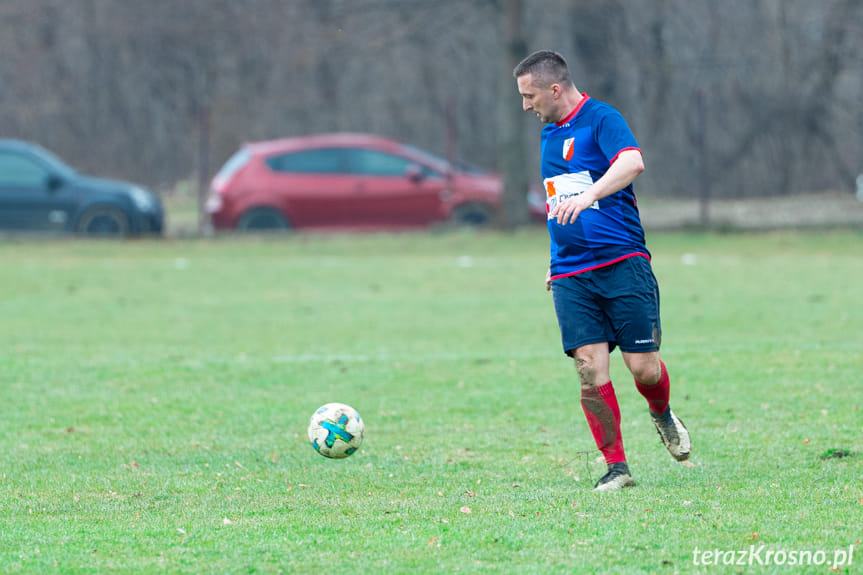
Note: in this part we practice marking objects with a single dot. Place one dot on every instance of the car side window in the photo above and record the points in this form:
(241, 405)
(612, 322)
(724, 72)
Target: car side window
(321, 161)
(375, 163)
(18, 170)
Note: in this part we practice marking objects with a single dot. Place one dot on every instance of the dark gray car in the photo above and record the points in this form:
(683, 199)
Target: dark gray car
(40, 193)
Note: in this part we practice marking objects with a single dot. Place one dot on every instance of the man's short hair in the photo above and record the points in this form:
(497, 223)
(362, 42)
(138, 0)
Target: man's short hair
(546, 67)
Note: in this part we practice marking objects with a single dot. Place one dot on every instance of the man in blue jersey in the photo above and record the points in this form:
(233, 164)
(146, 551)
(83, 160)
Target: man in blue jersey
(604, 290)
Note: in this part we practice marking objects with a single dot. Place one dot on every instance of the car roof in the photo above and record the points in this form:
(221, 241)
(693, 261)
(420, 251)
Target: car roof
(338, 139)
(344, 139)
(17, 145)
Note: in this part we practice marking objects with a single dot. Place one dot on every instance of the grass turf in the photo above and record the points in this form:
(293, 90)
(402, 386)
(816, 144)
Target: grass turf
(156, 395)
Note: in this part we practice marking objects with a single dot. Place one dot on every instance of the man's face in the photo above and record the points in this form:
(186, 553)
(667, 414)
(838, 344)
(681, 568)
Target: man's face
(541, 101)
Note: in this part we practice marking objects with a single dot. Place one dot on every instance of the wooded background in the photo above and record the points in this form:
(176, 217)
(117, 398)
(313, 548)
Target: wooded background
(731, 99)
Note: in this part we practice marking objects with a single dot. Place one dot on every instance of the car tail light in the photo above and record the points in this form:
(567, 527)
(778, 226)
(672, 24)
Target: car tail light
(214, 202)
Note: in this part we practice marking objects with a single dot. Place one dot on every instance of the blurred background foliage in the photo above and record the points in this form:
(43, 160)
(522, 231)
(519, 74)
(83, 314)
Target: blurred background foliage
(728, 99)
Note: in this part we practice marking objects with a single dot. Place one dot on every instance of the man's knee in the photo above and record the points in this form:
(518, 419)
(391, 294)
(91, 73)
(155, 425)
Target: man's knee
(586, 373)
(645, 367)
(592, 365)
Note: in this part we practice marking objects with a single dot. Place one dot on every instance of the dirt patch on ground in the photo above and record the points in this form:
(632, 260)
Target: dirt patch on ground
(808, 210)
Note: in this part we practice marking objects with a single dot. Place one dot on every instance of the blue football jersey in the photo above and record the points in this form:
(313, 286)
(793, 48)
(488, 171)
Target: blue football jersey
(576, 152)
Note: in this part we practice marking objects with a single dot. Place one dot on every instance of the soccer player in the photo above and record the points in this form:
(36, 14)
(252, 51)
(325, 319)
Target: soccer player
(604, 290)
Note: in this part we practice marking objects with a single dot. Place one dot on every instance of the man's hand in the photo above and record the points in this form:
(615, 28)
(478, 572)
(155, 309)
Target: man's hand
(622, 172)
(567, 211)
(548, 280)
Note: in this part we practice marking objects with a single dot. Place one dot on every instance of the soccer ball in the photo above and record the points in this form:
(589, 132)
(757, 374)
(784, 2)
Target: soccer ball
(336, 430)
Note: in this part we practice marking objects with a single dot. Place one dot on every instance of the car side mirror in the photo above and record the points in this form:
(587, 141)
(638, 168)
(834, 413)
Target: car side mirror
(54, 182)
(414, 173)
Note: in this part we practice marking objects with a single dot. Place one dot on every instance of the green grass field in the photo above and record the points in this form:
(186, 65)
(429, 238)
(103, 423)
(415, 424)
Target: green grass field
(156, 396)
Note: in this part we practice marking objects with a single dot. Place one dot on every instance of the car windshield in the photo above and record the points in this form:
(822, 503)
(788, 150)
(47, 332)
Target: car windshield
(442, 164)
(56, 164)
(469, 168)
(438, 163)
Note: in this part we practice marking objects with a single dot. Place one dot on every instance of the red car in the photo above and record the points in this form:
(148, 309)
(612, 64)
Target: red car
(346, 181)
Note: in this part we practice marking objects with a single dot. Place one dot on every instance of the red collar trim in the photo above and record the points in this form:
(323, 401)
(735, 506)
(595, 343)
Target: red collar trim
(571, 115)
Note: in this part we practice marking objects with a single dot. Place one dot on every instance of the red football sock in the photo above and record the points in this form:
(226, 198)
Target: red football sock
(603, 417)
(657, 394)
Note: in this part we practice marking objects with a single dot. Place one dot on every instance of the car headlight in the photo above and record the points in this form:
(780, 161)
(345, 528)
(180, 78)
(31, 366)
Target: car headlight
(143, 199)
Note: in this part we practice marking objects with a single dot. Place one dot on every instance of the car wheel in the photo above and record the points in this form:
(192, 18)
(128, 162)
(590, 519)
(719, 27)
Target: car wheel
(262, 220)
(474, 215)
(104, 221)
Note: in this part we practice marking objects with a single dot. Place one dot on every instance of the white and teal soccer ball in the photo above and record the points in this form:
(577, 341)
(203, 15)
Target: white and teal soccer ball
(336, 430)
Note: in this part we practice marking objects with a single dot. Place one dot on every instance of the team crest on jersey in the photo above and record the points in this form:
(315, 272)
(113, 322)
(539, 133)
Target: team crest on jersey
(568, 149)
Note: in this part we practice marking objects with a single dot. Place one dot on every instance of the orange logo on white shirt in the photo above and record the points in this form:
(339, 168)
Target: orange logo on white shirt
(562, 186)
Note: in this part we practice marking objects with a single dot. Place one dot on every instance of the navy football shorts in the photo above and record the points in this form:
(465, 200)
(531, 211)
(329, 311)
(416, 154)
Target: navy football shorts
(618, 304)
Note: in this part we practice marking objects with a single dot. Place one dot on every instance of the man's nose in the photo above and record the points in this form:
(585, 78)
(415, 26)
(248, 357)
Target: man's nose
(525, 105)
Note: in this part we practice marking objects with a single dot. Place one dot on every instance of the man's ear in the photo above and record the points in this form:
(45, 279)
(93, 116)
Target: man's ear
(556, 91)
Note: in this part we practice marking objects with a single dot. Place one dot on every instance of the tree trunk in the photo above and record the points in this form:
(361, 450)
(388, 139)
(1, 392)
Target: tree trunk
(512, 160)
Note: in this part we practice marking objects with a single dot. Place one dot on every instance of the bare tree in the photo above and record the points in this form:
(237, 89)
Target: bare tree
(125, 88)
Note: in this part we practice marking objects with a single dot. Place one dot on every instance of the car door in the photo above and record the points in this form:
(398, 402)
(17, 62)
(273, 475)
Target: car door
(393, 190)
(312, 186)
(31, 197)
